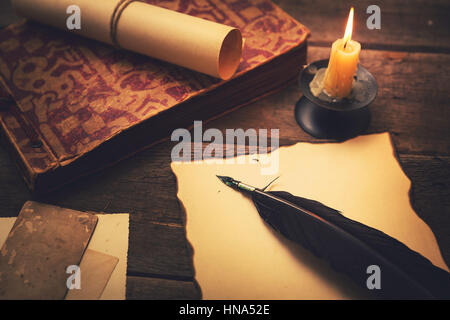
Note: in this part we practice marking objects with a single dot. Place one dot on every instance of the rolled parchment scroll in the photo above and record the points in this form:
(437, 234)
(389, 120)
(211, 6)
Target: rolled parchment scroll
(191, 42)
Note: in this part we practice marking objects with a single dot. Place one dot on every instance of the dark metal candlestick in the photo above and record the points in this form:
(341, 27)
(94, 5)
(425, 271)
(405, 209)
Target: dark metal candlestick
(327, 118)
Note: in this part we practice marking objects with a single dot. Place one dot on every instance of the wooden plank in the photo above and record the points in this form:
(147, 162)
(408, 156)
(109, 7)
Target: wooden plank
(430, 194)
(412, 25)
(159, 249)
(143, 184)
(13, 190)
(161, 289)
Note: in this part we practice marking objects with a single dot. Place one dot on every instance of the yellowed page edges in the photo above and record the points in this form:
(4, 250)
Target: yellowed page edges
(194, 43)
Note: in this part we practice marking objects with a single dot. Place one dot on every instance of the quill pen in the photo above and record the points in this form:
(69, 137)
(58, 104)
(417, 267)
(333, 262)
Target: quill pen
(349, 247)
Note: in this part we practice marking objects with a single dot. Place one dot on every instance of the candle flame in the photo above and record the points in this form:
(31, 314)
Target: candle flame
(348, 28)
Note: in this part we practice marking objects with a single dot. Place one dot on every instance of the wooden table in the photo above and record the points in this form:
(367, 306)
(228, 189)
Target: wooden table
(409, 56)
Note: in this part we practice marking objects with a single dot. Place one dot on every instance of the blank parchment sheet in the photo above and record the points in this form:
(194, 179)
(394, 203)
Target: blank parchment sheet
(238, 256)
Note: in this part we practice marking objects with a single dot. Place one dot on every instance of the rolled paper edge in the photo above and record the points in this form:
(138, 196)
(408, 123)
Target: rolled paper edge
(230, 54)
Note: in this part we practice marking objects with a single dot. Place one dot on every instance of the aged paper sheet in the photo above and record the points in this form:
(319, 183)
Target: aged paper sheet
(108, 244)
(111, 237)
(96, 269)
(238, 256)
(43, 242)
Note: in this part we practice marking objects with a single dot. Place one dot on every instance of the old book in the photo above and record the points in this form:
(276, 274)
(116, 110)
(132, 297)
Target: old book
(81, 105)
(44, 241)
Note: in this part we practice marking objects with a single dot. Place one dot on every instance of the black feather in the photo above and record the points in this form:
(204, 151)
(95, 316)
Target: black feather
(350, 247)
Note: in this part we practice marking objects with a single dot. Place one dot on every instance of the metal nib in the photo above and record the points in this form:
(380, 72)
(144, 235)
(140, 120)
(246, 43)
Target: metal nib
(225, 179)
(228, 181)
(235, 184)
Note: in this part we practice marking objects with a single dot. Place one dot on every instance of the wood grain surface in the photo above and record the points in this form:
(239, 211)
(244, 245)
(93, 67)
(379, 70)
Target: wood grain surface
(409, 57)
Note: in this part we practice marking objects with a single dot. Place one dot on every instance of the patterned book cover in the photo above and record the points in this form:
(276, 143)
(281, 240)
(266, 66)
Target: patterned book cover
(73, 94)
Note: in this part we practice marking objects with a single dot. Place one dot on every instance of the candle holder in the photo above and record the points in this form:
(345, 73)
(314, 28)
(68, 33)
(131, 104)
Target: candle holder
(327, 118)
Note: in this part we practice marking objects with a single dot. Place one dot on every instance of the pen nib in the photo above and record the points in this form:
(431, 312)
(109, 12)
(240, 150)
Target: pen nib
(224, 179)
(235, 184)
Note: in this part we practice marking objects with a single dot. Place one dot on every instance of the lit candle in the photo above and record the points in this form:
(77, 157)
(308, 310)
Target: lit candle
(342, 65)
